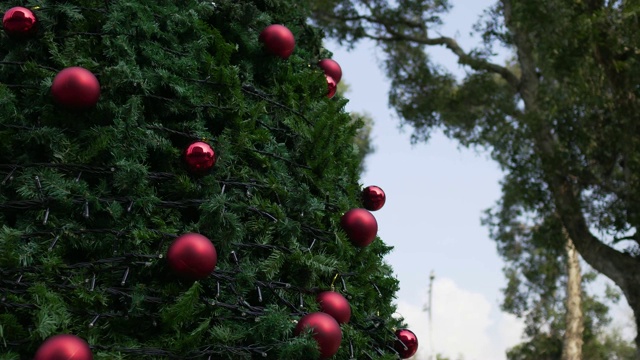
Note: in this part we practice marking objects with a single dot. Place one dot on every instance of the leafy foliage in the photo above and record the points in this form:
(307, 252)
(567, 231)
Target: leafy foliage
(560, 118)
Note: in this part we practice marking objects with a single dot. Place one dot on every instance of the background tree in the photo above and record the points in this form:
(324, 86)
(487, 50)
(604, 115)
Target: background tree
(563, 123)
(363, 141)
(364, 121)
(92, 198)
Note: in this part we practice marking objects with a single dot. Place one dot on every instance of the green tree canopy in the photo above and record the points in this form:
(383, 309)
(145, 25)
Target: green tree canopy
(561, 119)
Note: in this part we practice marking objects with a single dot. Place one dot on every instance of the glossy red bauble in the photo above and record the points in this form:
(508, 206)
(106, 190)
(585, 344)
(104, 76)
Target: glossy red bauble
(334, 304)
(331, 68)
(192, 256)
(278, 39)
(406, 343)
(199, 158)
(64, 347)
(76, 87)
(326, 332)
(360, 225)
(373, 198)
(19, 21)
(332, 87)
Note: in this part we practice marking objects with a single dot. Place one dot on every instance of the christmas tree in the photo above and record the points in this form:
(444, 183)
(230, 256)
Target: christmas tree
(174, 184)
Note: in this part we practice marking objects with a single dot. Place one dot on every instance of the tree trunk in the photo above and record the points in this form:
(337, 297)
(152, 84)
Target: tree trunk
(572, 342)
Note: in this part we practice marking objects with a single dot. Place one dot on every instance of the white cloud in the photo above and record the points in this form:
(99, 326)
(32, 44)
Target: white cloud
(464, 323)
(510, 331)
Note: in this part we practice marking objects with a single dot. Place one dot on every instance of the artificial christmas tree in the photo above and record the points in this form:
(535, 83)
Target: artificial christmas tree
(93, 197)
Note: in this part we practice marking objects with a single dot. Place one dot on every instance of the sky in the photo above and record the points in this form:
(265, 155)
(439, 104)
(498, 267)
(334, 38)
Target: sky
(436, 194)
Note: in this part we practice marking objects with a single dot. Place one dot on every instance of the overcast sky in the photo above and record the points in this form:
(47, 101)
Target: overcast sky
(436, 194)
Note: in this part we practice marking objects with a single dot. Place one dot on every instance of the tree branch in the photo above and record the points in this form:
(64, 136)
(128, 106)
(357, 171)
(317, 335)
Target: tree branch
(464, 58)
(616, 265)
(633, 237)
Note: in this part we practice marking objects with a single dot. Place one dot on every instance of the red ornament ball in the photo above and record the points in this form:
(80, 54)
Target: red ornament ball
(332, 86)
(19, 21)
(360, 225)
(331, 68)
(334, 304)
(406, 343)
(278, 39)
(373, 198)
(326, 332)
(199, 158)
(64, 347)
(76, 88)
(192, 256)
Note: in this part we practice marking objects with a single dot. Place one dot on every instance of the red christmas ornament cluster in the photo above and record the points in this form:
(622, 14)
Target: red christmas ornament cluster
(326, 332)
(373, 198)
(334, 304)
(325, 325)
(19, 22)
(199, 158)
(278, 40)
(333, 73)
(192, 256)
(360, 225)
(406, 343)
(76, 88)
(64, 347)
(331, 68)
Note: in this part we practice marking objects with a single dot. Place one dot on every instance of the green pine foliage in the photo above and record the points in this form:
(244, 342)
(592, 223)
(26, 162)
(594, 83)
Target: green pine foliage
(92, 199)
